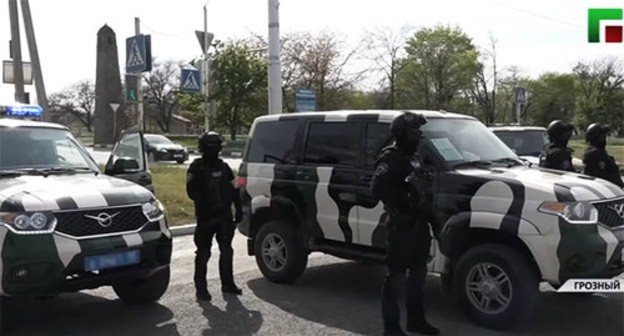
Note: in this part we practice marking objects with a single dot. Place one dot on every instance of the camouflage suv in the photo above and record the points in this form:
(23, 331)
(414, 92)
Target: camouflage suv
(306, 177)
(65, 226)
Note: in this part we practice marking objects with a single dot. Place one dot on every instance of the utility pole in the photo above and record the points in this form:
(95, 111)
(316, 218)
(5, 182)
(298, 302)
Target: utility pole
(275, 65)
(206, 69)
(42, 98)
(139, 106)
(18, 70)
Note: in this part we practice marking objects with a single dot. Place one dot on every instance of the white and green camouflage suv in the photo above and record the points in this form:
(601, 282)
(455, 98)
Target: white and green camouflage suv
(65, 226)
(306, 186)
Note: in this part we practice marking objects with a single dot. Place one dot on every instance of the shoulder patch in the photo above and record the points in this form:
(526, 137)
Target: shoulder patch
(382, 169)
(602, 165)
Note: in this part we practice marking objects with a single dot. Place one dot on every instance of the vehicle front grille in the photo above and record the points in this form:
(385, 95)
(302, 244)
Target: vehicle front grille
(611, 213)
(79, 224)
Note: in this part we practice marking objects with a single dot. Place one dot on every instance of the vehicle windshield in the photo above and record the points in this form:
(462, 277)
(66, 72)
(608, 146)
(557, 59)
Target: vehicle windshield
(463, 140)
(157, 139)
(23, 148)
(526, 143)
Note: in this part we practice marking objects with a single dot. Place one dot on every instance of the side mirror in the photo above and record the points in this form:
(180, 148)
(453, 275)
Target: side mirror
(125, 165)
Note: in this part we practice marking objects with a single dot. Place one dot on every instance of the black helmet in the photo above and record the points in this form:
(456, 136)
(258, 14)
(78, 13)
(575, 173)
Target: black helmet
(557, 128)
(403, 122)
(210, 140)
(595, 131)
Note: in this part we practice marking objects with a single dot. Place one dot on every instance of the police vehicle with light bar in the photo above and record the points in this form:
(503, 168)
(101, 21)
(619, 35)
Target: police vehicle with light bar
(21, 111)
(65, 226)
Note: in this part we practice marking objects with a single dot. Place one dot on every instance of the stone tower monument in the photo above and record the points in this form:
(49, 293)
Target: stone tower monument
(107, 124)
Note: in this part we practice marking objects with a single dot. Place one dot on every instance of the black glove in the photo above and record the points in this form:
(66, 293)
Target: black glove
(238, 217)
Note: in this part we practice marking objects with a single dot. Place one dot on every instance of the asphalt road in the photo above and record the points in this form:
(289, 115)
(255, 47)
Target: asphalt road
(334, 297)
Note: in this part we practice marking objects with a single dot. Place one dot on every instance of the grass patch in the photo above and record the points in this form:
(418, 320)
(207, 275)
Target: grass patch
(188, 142)
(170, 188)
(615, 148)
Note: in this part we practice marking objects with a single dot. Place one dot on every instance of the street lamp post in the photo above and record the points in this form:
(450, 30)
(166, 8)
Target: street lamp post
(275, 65)
(206, 70)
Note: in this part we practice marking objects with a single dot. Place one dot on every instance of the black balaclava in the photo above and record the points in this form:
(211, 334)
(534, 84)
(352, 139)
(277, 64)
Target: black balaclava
(406, 132)
(211, 153)
(410, 140)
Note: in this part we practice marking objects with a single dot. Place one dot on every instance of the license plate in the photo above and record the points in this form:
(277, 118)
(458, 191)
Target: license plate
(178, 155)
(112, 260)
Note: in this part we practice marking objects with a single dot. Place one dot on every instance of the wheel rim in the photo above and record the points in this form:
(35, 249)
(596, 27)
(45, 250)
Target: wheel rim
(489, 288)
(274, 252)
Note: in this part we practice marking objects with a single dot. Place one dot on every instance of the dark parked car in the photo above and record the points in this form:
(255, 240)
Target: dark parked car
(160, 148)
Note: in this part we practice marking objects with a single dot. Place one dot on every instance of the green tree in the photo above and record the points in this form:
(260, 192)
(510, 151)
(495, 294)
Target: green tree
(441, 63)
(553, 97)
(241, 86)
(191, 107)
(601, 98)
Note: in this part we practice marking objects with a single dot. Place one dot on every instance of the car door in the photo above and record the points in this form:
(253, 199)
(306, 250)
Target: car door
(128, 159)
(370, 209)
(329, 173)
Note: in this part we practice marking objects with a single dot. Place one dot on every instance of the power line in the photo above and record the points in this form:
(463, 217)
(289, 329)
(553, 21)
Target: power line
(543, 17)
(160, 33)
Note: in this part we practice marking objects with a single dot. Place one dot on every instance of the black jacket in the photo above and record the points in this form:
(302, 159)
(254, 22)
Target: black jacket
(556, 157)
(391, 184)
(211, 187)
(600, 164)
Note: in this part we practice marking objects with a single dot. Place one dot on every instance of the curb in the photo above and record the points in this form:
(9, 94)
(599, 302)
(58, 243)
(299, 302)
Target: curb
(182, 230)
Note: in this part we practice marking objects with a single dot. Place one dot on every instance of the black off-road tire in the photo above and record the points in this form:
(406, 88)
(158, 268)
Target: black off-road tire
(522, 276)
(296, 256)
(144, 290)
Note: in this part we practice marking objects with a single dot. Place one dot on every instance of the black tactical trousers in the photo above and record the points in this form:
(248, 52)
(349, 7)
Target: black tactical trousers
(223, 228)
(408, 245)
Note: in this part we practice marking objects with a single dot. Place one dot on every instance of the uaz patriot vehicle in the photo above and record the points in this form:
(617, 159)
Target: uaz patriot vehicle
(65, 226)
(306, 177)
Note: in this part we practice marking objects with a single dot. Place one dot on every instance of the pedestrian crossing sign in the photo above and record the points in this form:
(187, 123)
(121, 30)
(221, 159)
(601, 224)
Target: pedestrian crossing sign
(138, 54)
(190, 81)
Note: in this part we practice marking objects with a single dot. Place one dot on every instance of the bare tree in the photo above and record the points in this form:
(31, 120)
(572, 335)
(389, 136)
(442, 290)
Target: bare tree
(78, 101)
(385, 48)
(486, 82)
(320, 62)
(161, 88)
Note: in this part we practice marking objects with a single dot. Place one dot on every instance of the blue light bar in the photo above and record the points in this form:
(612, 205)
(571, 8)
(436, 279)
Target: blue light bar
(23, 111)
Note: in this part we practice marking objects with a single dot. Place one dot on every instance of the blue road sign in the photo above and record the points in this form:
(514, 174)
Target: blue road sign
(305, 100)
(138, 54)
(190, 81)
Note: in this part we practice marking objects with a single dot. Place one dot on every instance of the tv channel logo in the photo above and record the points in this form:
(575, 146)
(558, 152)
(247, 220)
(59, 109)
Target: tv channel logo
(613, 33)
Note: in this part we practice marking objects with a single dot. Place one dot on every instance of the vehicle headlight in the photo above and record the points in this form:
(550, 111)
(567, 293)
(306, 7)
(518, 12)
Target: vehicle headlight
(163, 150)
(573, 212)
(154, 210)
(28, 222)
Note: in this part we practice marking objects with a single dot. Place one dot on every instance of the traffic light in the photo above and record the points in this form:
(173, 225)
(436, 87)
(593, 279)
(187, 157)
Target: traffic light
(132, 88)
(212, 77)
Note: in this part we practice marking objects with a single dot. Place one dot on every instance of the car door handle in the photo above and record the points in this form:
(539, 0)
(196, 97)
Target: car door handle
(347, 197)
(366, 178)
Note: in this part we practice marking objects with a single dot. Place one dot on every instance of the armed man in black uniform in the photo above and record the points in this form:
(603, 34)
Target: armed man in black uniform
(210, 184)
(597, 161)
(397, 182)
(556, 154)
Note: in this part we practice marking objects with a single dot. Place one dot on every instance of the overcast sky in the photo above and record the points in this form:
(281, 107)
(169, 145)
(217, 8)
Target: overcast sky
(536, 35)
